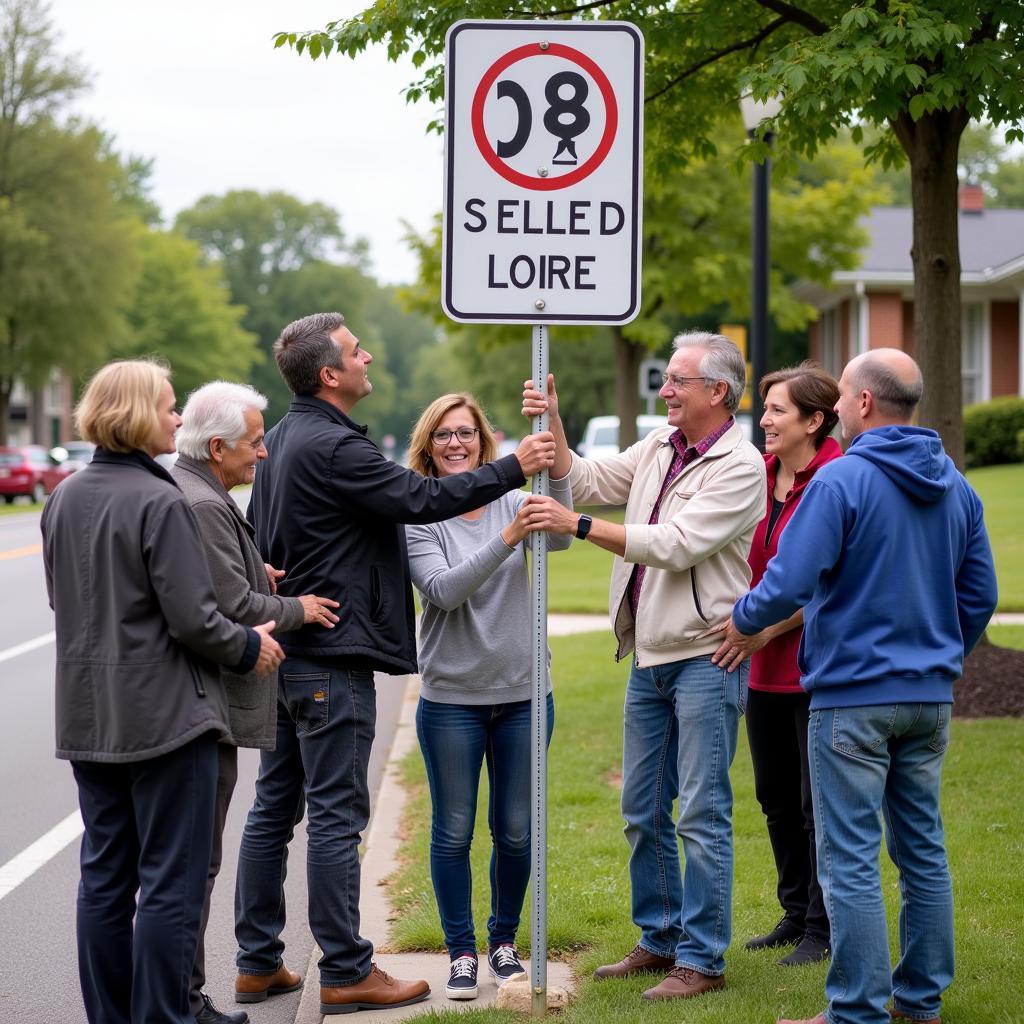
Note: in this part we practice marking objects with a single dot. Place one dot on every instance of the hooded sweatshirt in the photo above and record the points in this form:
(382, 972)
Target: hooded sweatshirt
(888, 555)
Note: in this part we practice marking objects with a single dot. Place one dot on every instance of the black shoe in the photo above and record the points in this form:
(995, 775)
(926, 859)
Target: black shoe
(503, 962)
(785, 933)
(462, 979)
(810, 950)
(209, 1014)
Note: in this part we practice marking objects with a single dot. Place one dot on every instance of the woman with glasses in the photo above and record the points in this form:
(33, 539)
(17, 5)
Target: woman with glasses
(475, 687)
(799, 415)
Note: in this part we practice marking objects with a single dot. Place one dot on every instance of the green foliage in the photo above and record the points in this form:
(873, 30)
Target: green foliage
(991, 429)
(181, 310)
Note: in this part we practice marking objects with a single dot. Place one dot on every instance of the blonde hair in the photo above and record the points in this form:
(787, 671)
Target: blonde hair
(421, 444)
(118, 410)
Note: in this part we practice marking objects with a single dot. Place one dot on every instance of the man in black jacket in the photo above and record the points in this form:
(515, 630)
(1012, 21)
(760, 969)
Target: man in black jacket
(329, 507)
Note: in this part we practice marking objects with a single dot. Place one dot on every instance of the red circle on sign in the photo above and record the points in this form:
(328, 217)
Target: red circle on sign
(562, 180)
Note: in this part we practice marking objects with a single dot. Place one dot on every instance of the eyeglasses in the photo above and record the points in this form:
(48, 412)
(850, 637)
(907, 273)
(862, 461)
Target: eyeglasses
(444, 436)
(676, 382)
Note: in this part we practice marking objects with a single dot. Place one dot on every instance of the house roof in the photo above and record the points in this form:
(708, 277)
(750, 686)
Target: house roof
(991, 242)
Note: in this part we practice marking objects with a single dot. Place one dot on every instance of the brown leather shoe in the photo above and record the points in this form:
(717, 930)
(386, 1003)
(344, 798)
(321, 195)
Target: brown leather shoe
(377, 991)
(254, 988)
(900, 1015)
(640, 961)
(685, 983)
(820, 1019)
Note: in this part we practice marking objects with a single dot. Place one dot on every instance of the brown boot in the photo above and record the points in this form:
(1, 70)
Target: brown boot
(254, 988)
(685, 983)
(640, 961)
(900, 1015)
(377, 991)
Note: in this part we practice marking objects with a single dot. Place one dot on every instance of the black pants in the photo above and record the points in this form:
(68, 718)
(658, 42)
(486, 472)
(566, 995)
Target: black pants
(227, 776)
(777, 731)
(148, 827)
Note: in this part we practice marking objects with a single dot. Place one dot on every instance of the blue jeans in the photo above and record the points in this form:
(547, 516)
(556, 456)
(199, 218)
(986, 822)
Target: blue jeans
(148, 828)
(326, 715)
(887, 759)
(681, 721)
(455, 739)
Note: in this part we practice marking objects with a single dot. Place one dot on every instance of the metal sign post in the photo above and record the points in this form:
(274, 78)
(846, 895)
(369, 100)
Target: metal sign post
(542, 221)
(539, 719)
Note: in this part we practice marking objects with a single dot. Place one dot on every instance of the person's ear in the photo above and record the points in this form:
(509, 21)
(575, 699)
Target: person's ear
(815, 422)
(328, 376)
(217, 447)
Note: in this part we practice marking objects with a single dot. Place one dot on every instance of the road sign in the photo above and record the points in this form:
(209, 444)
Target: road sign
(543, 170)
(650, 382)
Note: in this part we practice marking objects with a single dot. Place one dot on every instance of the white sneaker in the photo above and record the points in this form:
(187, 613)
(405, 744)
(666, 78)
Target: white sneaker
(462, 979)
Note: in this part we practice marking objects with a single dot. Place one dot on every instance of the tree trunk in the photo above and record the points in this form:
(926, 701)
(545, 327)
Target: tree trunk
(628, 357)
(932, 144)
(6, 384)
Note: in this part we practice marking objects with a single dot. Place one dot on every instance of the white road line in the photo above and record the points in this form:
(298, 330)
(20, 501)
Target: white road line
(25, 864)
(28, 645)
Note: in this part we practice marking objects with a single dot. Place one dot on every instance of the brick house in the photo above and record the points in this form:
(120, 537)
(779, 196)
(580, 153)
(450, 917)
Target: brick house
(873, 306)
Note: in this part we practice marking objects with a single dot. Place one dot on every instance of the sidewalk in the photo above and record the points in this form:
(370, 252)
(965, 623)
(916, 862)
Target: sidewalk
(380, 860)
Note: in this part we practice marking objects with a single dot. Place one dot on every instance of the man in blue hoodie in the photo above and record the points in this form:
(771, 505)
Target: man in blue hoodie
(888, 556)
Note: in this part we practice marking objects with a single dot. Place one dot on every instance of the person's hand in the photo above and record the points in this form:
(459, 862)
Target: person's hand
(271, 654)
(318, 610)
(534, 403)
(536, 452)
(273, 575)
(736, 646)
(540, 512)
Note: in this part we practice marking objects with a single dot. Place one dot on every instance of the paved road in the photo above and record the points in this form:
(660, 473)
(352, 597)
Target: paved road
(38, 968)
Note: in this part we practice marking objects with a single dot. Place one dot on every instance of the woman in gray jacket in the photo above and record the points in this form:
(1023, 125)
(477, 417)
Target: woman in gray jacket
(475, 687)
(139, 701)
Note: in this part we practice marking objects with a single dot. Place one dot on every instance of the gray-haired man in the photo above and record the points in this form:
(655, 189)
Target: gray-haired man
(219, 444)
(694, 491)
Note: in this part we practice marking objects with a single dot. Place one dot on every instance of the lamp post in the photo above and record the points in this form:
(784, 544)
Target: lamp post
(754, 112)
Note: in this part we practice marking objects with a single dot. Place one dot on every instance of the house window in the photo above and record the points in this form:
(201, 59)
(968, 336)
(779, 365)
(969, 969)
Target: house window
(972, 352)
(831, 342)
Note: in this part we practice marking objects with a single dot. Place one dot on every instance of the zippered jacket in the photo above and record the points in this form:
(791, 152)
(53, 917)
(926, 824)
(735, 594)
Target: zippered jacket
(774, 667)
(328, 508)
(139, 636)
(696, 554)
(888, 555)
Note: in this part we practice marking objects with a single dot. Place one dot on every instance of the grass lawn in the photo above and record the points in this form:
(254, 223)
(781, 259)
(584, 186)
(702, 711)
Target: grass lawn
(589, 920)
(19, 506)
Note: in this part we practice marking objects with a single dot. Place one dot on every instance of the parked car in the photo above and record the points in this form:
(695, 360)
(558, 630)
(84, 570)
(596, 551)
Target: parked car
(65, 459)
(21, 472)
(601, 434)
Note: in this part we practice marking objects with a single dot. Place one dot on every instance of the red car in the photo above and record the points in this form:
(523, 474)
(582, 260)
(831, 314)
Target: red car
(21, 472)
(67, 458)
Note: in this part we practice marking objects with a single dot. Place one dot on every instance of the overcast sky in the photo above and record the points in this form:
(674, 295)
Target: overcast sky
(198, 86)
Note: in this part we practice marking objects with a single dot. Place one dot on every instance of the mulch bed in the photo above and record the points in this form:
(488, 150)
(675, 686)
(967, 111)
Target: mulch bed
(992, 685)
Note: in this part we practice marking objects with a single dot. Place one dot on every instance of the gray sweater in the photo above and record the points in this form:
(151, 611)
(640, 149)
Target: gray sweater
(474, 637)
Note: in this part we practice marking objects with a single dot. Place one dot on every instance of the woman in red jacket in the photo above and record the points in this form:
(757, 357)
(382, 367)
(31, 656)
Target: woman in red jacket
(798, 417)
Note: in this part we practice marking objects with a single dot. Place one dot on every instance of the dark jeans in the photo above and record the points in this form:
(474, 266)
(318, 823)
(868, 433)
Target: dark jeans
(777, 731)
(227, 776)
(326, 715)
(148, 826)
(456, 739)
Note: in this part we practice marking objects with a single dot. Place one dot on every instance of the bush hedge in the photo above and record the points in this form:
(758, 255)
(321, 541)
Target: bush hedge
(992, 431)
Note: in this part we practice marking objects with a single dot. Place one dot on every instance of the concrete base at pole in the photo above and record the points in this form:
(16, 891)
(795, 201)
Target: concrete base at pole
(517, 995)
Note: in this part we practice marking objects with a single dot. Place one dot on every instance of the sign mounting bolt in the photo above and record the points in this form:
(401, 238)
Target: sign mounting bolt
(542, 171)
(543, 44)
(540, 304)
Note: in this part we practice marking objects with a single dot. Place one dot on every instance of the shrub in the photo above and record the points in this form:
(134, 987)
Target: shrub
(991, 431)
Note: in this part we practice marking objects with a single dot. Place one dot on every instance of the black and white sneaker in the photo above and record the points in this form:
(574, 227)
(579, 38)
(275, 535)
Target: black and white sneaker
(462, 979)
(503, 962)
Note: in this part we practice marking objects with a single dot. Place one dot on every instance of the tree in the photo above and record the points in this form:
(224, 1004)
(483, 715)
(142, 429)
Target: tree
(181, 310)
(66, 248)
(917, 70)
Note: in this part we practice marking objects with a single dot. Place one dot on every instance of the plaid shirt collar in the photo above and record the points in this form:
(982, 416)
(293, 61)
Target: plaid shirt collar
(703, 446)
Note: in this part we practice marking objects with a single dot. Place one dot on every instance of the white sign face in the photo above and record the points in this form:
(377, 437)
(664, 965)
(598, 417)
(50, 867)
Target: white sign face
(543, 168)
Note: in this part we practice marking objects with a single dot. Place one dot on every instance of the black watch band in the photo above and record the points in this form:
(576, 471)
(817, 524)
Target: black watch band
(583, 527)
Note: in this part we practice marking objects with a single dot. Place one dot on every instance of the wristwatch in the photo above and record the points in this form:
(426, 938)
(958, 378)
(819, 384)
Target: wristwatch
(583, 527)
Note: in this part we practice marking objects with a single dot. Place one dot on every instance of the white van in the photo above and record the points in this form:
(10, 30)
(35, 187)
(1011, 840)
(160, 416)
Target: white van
(601, 434)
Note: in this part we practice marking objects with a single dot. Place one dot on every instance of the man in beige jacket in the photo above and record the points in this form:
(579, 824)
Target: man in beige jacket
(694, 491)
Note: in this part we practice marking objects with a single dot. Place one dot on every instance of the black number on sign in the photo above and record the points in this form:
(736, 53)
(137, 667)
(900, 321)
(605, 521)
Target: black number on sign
(515, 92)
(573, 108)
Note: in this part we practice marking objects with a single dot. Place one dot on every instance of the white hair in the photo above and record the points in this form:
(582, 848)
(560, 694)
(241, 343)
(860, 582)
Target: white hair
(722, 360)
(216, 409)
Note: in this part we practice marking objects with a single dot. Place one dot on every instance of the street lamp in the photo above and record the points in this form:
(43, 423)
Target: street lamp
(754, 113)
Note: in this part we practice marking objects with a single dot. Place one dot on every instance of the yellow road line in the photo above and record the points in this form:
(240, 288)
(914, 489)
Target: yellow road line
(30, 549)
